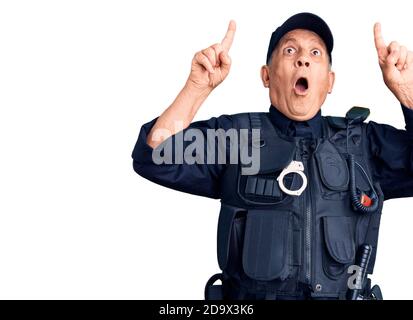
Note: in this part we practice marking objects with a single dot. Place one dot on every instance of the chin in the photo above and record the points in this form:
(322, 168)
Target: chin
(301, 113)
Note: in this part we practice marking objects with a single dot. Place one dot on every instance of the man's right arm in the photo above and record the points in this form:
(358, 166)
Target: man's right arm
(197, 178)
(208, 69)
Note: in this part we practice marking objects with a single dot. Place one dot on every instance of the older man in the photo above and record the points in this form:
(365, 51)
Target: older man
(305, 224)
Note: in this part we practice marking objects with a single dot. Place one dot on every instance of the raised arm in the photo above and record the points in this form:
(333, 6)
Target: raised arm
(209, 68)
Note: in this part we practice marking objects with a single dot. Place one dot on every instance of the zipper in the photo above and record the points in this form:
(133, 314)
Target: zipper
(307, 217)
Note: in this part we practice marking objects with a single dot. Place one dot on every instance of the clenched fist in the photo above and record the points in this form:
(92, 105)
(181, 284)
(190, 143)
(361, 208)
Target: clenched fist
(211, 66)
(396, 64)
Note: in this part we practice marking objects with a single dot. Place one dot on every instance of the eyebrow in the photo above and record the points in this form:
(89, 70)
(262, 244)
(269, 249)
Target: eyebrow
(315, 40)
(285, 40)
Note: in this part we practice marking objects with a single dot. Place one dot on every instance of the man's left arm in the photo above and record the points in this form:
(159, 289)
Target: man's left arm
(392, 149)
(391, 152)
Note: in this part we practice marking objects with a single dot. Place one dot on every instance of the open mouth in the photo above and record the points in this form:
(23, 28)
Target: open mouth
(301, 86)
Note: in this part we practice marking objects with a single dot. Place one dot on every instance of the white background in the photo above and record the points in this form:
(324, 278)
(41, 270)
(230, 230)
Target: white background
(79, 78)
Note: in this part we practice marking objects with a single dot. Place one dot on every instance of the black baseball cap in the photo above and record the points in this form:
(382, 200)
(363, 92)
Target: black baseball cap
(303, 20)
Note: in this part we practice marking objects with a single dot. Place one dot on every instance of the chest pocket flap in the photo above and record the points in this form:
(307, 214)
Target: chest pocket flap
(332, 167)
(339, 237)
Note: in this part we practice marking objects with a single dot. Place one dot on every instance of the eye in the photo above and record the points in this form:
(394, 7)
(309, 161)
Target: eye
(289, 51)
(316, 52)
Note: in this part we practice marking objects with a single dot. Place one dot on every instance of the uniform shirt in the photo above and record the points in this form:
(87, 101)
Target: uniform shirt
(391, 152)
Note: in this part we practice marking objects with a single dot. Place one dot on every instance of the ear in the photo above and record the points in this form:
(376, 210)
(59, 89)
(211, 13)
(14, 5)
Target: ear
(331, 78)
(265, 76)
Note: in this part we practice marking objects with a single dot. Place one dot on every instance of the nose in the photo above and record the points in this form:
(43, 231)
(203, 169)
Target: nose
(302, 61)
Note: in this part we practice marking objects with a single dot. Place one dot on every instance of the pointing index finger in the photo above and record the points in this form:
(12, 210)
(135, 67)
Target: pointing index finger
(229, 36)
(378, 39)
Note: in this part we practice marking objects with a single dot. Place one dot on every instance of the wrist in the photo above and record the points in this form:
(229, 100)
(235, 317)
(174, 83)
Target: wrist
(405, 97)
(195, 91)
(406, 102)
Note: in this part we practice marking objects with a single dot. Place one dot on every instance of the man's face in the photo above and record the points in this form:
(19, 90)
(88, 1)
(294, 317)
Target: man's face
(299, 75)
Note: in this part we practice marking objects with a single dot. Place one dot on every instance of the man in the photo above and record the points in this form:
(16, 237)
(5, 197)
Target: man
(298, 226)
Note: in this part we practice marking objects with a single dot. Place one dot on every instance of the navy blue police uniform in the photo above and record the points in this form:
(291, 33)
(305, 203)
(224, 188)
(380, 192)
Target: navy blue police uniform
(273, 245)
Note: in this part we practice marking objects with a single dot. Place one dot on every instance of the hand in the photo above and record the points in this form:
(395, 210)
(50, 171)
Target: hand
(396, 64)
(211, 66)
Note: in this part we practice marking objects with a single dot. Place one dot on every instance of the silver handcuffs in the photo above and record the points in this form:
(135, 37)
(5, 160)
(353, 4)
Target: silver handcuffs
(293, 167)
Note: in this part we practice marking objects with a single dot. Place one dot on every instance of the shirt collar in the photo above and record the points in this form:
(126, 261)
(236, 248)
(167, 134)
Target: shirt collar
(284, 123)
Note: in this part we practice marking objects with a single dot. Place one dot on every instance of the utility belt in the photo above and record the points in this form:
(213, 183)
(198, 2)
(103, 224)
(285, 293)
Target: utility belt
(231, 290)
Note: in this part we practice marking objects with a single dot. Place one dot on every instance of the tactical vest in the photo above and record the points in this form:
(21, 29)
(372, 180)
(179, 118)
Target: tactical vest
(273, 245)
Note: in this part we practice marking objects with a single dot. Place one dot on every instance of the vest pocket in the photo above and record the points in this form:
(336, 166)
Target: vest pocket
(340, 247)
(333, 171)
(231, 227)
(267, 245)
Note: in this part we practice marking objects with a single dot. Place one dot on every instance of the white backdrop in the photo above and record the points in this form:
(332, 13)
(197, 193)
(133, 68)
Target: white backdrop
(79, 78)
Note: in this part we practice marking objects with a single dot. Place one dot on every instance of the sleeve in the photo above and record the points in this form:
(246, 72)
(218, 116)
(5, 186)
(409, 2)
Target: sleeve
(198, 178)
(392, 157)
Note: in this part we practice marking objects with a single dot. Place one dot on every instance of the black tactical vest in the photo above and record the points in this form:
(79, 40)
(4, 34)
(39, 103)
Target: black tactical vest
(273, 245)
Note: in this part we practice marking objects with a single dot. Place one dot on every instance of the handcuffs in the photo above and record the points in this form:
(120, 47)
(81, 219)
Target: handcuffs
(294, 167)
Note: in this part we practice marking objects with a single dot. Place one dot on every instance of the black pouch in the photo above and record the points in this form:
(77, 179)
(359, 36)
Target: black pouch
(267, 251)
(230, 236)
(340, 246)
(333, 170)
